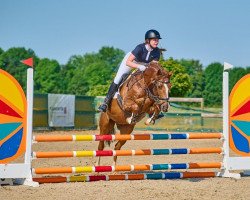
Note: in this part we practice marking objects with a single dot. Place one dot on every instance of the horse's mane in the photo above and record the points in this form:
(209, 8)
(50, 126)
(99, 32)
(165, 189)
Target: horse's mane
(153, 70)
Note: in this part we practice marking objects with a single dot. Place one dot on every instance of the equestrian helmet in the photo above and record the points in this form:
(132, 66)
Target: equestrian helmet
(150, 34)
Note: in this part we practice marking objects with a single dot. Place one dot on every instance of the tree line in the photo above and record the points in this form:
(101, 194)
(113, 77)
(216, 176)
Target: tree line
(91, 74)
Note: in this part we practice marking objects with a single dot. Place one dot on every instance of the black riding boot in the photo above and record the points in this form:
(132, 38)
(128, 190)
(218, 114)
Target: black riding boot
(160, 115)
(111, 92)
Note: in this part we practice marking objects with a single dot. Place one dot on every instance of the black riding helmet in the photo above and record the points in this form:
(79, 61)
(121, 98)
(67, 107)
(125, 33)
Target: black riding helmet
(150, 34)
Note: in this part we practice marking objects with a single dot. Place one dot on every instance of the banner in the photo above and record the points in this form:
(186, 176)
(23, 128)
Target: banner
(61, 110)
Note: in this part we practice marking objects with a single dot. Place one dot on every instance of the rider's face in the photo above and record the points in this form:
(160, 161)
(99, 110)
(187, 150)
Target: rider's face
(154, 42)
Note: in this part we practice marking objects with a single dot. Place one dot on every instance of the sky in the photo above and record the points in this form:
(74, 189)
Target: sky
(206, 30)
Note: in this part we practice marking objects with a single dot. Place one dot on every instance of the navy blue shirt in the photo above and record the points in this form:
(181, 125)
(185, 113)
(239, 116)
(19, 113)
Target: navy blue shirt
(140, 52)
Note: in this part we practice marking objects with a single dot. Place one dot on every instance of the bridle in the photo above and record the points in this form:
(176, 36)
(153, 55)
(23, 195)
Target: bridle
(158, 100)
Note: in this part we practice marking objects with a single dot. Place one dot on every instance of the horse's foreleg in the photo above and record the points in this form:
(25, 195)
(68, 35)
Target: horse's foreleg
(129, 119)
(131, 107)
(149, 120)
(154, 113)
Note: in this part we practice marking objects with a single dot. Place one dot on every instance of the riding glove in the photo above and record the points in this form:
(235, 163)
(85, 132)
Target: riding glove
(141, 68)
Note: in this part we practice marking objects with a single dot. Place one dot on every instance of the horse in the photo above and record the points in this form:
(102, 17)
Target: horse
(142, 93)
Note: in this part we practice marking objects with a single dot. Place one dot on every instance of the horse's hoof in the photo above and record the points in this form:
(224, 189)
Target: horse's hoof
(147, 122)
(129, 120)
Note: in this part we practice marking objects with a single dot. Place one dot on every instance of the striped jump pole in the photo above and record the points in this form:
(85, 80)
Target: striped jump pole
(146, 176)
(158, 136)
(140, 152)
(88, 169)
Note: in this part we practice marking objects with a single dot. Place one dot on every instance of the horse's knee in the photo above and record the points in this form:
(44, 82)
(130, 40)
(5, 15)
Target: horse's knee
(135, 108)
(130, 106)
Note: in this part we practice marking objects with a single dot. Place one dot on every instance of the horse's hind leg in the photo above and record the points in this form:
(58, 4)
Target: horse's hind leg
(124, 129)
(106, 128)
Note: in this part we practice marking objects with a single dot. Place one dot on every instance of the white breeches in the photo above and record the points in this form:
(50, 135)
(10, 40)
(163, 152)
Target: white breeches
(123, 69)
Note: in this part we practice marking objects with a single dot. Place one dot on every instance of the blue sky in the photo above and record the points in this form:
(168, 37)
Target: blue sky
(207, 30)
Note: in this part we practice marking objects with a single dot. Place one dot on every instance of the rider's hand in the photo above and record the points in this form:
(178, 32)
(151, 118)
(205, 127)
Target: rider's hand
(141, 68)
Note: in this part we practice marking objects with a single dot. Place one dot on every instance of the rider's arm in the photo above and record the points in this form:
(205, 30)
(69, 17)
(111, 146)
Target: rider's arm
(130, 62)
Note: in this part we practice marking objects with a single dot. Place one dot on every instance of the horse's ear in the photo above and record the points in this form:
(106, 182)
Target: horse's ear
(170, 74)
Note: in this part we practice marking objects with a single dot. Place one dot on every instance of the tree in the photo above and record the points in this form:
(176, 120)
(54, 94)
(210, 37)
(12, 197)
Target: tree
(111, 56)
(99, 90)
(180, 80)
(68, 72)
(213, 84)
(47, 76)
(1, 51)
(195, 71)
(248, 70)
(92, 71)
(235, 75)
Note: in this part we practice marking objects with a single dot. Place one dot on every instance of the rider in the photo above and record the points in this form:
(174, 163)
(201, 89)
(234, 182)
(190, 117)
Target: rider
(143, 53)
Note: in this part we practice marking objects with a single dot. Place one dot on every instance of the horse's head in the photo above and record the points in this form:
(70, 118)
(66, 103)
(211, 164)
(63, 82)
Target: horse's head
(158, 85)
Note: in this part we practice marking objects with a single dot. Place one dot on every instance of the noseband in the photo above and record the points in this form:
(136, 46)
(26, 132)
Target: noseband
(156, 98)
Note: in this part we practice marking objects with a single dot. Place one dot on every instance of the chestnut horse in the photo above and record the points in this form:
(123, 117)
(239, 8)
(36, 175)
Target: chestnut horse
(142, 93)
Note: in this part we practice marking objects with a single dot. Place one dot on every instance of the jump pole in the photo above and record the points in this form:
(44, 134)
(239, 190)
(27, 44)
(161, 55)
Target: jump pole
(119, 168)
(144, 176)
(139, 152)
(157, 136)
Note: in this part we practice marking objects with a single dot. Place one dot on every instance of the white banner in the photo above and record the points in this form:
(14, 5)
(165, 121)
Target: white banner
(61, 110)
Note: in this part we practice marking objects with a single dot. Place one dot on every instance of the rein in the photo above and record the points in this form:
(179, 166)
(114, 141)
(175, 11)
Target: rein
(156, 98)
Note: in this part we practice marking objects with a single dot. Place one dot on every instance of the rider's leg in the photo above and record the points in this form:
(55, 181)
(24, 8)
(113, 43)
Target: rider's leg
(112, 90)
(123, 69)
